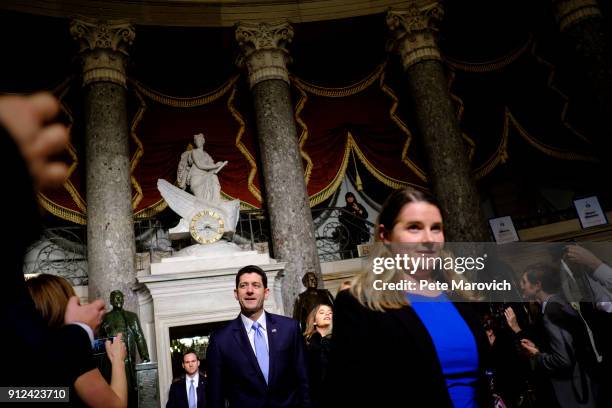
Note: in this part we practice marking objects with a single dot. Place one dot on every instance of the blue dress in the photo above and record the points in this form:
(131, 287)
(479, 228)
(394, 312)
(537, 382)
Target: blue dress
(454, 344)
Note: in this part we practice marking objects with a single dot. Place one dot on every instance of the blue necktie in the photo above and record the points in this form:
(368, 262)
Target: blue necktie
(192, 397)
(261, 351)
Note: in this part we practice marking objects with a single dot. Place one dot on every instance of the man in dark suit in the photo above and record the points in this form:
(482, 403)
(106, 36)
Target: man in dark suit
(28, 142)
(567, 356)
(257, 360)
(188, 391)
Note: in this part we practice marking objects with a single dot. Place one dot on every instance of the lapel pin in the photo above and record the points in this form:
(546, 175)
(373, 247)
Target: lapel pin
(273, 330)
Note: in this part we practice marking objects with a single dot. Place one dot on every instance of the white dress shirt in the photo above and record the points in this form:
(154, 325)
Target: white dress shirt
(196, 379)
(248, 325)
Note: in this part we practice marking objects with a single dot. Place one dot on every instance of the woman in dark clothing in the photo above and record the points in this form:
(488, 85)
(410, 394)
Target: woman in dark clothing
(51, 295)
(396, 349)
(318, 341)
(353, 219)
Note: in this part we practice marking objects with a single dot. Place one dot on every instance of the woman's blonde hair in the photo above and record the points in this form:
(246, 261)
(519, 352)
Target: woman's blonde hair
(50, 294)
(311, 327)
(362, 286)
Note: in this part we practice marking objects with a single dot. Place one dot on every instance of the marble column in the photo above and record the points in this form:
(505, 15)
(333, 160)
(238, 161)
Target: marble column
(265, 56)
(414, 39)
(110, 228)
(583, 30)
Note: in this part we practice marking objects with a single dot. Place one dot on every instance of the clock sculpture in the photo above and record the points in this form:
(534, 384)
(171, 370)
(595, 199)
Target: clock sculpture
(207, 226)
(205, 220)
(206, 216)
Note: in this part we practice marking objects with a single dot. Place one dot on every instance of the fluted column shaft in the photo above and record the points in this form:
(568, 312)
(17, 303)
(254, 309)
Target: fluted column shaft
(293, 239)
(414, 39)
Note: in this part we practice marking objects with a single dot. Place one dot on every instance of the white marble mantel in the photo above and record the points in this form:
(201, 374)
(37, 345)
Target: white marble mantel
(195, 297)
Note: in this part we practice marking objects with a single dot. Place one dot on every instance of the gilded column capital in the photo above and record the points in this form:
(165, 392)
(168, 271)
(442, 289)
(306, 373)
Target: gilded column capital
(264, 50)
(570, 12)
(414, 33)
(103, 48)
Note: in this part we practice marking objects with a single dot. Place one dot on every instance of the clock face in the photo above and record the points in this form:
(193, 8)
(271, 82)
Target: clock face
(206, 227)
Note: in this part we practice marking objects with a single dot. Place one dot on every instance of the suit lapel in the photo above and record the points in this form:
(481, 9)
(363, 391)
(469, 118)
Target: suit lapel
(183, 392)
(272, 332)
(240, 335)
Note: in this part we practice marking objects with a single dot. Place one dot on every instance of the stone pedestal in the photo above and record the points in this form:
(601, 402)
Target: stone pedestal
(414, 34)
(293, 238)
(110, 230)
(148, 387)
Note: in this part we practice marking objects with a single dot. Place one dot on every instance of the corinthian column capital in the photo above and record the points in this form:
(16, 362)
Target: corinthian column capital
(103, 47)
(414, 33)
(264, 50)
(570, 12)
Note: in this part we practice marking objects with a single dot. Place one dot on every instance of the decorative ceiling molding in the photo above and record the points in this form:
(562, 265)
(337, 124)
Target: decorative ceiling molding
(207, 13)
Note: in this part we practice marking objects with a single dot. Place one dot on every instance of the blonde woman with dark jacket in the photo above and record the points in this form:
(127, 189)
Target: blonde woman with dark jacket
(318, 341)
(391, 348)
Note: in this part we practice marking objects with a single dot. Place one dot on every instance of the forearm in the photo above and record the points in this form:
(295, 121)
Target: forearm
(553, 363)
(119, 382)
(522, 334)
(203, 161)
(603, 273)
(206, 167)
(95, 392)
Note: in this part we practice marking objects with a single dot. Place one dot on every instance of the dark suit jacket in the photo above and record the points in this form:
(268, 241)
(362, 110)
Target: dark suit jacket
(565, 354)
(24, 332)
(234, 374)
(388, 359)
(177, 398)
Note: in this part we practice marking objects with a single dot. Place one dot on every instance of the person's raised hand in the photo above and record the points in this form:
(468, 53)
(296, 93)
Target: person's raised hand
(530, 347)
(90, 314)
(579, 255)
(27, 120)
(511, 320)
(116, 350)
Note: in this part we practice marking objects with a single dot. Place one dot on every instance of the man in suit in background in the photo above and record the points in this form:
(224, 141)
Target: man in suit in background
(257, 360)
(188, 391)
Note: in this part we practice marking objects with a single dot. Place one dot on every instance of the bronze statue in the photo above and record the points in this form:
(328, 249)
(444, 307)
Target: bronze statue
(310, 298)
(119, 320)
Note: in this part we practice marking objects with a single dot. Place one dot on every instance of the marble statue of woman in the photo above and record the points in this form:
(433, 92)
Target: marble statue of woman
(199, 171)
